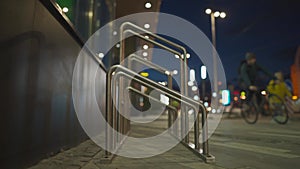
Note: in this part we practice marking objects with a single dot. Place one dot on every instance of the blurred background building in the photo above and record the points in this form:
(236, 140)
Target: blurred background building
(295, 74)
(39, 43)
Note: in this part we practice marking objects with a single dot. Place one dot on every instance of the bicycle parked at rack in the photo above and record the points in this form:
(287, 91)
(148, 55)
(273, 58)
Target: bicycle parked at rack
(269, 104)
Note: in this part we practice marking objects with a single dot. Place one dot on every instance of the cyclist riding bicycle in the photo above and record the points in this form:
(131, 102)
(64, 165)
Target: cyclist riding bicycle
(278, 87)
(248, 73)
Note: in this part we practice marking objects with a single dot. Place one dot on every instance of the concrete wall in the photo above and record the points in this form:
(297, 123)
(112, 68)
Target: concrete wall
(37, 59)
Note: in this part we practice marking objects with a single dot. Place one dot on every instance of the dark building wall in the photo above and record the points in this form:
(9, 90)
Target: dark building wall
(37, 60)
(38, 56)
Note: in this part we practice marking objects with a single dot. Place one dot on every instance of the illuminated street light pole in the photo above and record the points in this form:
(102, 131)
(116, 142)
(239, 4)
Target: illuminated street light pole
(213, 16)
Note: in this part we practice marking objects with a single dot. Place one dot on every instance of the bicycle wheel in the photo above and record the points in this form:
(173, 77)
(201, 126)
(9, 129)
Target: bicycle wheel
(278, 109)
(249, 113)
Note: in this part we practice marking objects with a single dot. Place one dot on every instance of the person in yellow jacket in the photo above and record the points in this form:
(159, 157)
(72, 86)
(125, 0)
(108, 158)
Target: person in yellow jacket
(278, 87)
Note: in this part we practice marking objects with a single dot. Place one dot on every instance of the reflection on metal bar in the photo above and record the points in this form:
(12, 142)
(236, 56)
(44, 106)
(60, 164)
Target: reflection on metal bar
(170, 93)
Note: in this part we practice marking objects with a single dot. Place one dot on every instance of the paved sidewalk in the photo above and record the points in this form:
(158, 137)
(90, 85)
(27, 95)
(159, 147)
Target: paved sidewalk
(87, 155)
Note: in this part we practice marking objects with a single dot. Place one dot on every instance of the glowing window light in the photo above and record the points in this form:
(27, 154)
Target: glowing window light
(145, 47)
(101, 55)
(145, 54)
(175, 72)
(148, 5)
(65, 9)
(147, 26)
(194, 88)
(196, 97)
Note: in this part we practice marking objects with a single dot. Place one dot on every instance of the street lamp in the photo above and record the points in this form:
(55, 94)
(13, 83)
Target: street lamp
(213, 15)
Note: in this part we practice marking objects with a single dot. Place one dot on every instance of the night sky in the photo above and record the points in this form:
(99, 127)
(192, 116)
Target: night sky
(269, 28)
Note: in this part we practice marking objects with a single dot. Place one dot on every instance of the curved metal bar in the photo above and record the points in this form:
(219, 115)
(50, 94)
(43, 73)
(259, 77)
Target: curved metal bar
(154, 84)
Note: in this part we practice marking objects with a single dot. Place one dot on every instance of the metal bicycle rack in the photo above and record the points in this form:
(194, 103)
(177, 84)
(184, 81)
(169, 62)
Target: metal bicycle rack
(118, 71)
(183, 59)
(115, 89)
